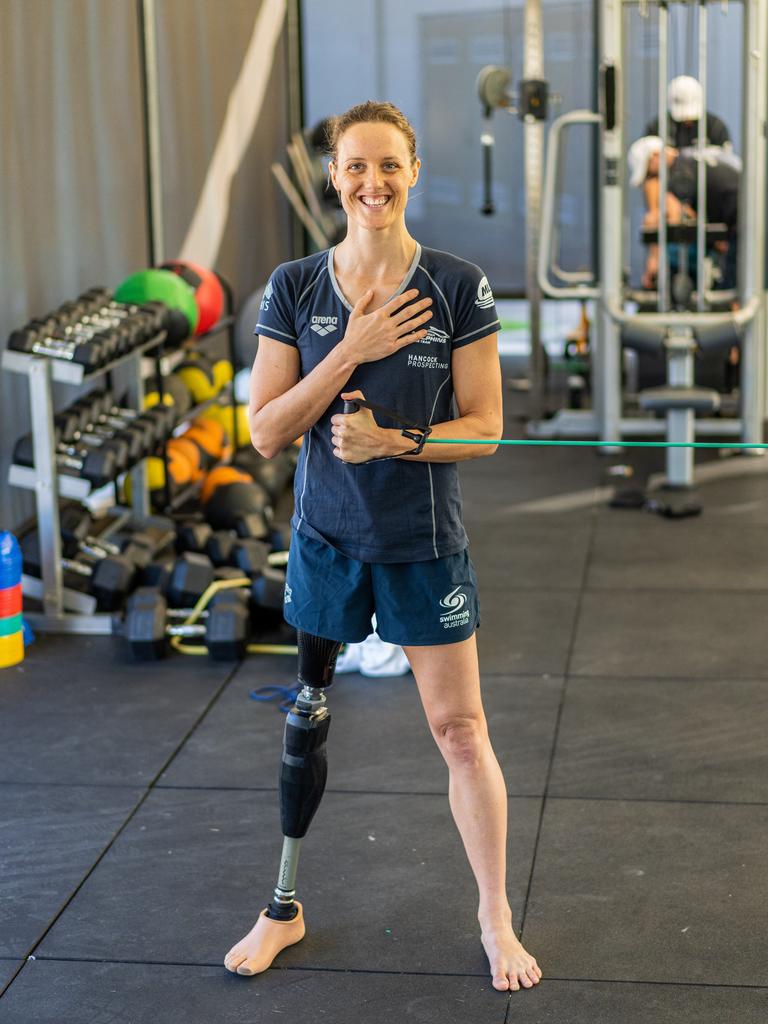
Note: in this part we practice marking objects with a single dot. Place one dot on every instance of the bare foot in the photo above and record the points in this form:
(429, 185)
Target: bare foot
(511, 965)
(264, 941)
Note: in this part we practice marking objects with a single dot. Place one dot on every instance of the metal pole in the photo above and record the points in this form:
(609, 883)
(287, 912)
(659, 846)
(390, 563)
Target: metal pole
(751, 260)
(295, 108)
(139, 479)
(148, 53)
(533, 134)
(662, 280)
(46, 485)
(701, 170)
(607, 397)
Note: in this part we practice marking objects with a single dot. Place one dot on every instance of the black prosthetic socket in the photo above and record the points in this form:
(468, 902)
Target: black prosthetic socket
(317, 659)
(304, 766)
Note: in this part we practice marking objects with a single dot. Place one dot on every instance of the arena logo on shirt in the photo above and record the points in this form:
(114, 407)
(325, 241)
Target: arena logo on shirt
(323, 325)
(484, 298)
(435, 335)
(264, 306)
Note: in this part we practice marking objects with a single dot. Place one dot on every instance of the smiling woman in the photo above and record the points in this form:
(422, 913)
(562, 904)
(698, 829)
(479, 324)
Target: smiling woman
(377, 522)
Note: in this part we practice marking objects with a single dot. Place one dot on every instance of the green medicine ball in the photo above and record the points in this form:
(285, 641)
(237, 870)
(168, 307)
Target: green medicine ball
(160, 286)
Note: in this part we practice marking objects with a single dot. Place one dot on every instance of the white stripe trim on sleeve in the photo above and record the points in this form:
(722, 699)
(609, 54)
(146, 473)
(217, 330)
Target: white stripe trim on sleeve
(273, 330)
(488, 328)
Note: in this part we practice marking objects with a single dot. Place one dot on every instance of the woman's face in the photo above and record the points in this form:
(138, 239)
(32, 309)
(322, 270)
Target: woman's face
(373, 173)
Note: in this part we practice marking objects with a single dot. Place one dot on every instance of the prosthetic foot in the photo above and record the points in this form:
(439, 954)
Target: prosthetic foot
(302, 783)
(264, 941)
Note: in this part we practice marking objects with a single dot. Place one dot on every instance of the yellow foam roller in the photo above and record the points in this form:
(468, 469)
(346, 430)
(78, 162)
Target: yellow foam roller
(11, 649)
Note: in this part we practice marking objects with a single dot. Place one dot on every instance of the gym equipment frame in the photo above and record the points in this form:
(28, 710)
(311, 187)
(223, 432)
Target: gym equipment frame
(673, 331)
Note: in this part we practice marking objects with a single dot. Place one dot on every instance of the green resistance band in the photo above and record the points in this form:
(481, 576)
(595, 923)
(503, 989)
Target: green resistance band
(601, 444)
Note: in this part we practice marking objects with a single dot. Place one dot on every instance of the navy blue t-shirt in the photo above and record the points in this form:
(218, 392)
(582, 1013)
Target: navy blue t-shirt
(391, 510)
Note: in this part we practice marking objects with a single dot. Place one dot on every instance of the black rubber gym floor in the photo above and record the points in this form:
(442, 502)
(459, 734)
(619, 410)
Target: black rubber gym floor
(625, 669)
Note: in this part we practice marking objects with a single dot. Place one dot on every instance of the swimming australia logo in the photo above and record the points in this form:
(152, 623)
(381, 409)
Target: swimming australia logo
(454, 601)
(435, 335)
(323, 325)
(484, 295)
(266, 297)
(456, 612)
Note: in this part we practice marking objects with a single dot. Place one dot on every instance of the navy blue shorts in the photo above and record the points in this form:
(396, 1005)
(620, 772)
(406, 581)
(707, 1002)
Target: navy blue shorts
(416, 603)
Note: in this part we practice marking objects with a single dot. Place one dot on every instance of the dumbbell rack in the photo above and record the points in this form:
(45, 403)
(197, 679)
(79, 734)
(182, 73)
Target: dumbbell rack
(66, 610)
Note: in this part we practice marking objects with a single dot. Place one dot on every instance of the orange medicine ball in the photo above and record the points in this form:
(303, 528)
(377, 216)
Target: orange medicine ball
(221, 476)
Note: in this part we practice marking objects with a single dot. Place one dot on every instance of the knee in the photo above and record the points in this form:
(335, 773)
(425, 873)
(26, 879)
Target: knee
(462, 741)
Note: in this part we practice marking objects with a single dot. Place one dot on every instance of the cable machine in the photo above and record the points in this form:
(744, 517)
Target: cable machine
(676, 331)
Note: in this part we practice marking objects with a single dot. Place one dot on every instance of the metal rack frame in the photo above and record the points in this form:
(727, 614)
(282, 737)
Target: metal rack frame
(65, 610)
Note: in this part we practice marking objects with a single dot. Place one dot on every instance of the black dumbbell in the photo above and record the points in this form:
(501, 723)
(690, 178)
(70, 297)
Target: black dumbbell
(193, 535)
(274, 474)
(191, 575)
(247, 554)
(99, 461)
(242, 507)
(110, 576)
(156, 422)
(76, 525)
(268, 590)
(88, 439)
(225, 626)
(161, 417)
(90, 351)
(133, 325)
(139, 434)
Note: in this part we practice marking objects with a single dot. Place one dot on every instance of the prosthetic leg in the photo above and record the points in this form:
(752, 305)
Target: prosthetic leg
(302, 783)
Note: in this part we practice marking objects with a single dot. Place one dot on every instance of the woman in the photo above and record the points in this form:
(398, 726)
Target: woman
(377, 522)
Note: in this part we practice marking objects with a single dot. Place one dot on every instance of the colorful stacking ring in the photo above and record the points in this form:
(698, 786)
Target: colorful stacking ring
(11, 649)
(11, 622)
(10, 601)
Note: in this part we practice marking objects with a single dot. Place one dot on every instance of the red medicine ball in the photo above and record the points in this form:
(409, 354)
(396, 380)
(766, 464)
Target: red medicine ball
(209, 293)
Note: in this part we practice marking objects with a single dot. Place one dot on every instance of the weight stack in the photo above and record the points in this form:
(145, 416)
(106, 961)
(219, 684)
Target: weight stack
(11, 623)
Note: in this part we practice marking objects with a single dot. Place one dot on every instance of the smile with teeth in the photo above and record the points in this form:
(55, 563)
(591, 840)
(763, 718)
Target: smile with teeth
(374, 201)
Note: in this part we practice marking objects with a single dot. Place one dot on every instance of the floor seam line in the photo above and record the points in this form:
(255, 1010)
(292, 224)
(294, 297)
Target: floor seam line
(558, 717)
(230, 675)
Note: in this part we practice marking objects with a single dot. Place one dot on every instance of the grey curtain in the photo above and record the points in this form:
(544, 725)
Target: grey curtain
(73, 204)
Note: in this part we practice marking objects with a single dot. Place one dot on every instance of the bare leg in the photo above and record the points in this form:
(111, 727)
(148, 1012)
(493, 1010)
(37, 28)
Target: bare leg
(449, 685)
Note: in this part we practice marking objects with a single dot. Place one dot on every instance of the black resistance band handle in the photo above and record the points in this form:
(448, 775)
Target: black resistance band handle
(351, 407)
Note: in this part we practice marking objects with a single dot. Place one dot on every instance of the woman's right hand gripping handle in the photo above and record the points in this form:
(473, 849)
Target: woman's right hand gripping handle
(376, 335)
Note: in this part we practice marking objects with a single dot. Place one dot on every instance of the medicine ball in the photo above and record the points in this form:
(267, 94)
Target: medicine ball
(175, 393)
(243, 507)
(163, 286)
(223, 414)
(197, 373)
(223, 476)
(180, 473)
(207, 288)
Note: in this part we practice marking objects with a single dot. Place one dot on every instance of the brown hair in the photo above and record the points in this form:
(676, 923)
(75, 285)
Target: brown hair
(370, 111)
